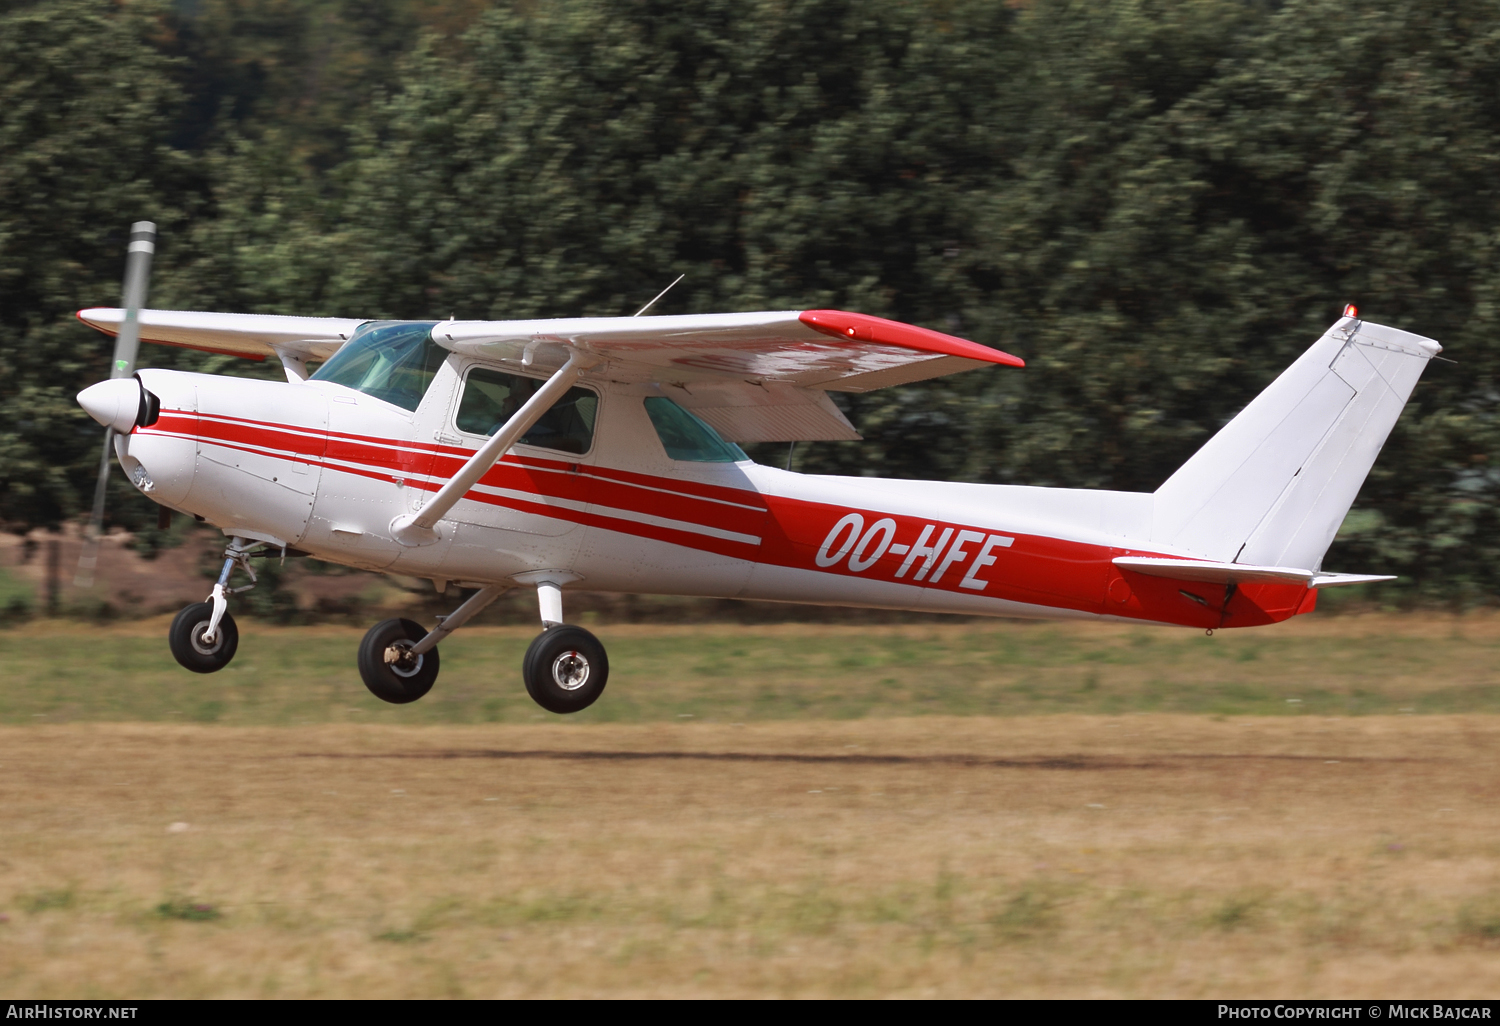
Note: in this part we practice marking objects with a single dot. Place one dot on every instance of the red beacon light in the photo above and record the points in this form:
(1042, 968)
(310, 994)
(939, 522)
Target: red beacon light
(1350, 310)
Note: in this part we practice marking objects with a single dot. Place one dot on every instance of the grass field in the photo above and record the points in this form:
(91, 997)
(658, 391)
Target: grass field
(960, 810)
(1354, 665)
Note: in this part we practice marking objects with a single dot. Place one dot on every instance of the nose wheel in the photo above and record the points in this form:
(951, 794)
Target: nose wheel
(565, 669)
(203, 637)
(195, 647)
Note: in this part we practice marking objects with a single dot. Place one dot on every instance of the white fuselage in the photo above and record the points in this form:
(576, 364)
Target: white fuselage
(322, 468)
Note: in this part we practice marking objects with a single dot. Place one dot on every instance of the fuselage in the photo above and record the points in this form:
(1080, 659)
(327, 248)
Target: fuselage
(325, 469)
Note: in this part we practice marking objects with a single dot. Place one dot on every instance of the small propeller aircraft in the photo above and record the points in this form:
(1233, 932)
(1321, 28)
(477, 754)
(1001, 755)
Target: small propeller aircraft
(600, 453)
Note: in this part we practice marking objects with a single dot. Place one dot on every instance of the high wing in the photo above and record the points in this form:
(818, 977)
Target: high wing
(824, 349)
(756, 377)
(252, 336)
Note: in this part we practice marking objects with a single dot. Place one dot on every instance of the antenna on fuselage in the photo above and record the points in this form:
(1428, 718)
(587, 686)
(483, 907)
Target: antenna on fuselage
(663, 292)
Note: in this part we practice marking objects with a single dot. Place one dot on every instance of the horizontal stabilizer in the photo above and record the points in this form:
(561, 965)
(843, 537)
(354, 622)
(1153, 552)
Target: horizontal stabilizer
(1239, 573)
(1214, 573)
(1339, 580)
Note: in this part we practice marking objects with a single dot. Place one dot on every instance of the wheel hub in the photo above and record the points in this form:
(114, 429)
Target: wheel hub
(399, 658)
(201, 642)
(570, 670)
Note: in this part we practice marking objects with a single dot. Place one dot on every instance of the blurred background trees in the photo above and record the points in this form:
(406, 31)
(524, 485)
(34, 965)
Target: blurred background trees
(1157, 204)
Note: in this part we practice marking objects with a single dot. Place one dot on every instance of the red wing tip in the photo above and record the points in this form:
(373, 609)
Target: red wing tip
(865, 328)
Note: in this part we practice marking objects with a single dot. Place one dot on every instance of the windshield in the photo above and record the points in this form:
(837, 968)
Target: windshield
(390, 360)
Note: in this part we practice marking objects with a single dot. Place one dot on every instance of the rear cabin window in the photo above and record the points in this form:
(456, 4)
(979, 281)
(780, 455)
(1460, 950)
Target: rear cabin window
(685, 437)
(491, 397)
(390, 360)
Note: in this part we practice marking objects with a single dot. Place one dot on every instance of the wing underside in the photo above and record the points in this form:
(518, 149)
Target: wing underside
(251, 336)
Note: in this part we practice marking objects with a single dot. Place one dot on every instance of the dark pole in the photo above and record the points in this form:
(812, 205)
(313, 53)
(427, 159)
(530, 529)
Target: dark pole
(54, 574)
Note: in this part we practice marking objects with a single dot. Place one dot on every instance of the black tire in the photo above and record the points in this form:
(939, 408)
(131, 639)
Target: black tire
(565, 669)
(397, 683)
(186, 639)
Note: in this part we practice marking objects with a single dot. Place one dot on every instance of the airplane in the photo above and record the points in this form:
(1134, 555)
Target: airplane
(600, 453)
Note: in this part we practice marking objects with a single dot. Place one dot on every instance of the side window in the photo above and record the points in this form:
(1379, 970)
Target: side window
(685, 437)
(491, 397)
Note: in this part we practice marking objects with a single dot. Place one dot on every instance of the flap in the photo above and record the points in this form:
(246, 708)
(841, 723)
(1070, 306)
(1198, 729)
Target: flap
(820, 349)
(770, 412)
(253, 336)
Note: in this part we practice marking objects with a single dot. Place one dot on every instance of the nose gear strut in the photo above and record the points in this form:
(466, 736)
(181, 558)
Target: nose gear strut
(203, 637)
(236, 555)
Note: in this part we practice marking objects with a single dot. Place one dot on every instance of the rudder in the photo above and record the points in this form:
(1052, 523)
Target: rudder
(1273, 486)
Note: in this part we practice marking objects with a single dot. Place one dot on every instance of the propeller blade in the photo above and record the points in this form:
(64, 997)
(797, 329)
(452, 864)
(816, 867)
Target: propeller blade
(127, 342)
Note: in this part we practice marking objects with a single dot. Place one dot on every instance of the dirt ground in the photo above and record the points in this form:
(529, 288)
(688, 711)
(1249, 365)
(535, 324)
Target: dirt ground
(1070, 855)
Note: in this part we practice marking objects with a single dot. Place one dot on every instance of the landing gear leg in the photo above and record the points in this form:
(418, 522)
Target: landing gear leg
(398, 659)
(565, 668)
(203, 637)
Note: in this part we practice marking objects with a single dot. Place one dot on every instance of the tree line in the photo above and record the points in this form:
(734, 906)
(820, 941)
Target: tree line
(1157, 203)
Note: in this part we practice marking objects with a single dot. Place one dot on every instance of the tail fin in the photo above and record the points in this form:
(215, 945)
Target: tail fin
(1273, 486)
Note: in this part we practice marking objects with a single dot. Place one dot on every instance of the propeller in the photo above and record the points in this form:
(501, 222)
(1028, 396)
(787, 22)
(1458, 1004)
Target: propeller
(137, 271)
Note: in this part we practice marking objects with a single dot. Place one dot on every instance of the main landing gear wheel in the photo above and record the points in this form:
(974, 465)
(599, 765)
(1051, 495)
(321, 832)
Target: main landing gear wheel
(389, 670)
(186, 639)
(565, 669)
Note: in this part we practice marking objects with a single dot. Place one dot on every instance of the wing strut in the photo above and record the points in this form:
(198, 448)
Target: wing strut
(419, 528)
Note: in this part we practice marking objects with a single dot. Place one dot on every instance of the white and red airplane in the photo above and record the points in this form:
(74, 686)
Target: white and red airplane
(599, 453)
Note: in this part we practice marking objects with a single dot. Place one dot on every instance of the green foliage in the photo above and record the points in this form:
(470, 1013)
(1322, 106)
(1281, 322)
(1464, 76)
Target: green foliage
(1174, 270)
(1157, 203)
(86, 101)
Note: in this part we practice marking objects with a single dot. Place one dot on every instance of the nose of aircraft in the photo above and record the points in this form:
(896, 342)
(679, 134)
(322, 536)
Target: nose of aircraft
(114, 403)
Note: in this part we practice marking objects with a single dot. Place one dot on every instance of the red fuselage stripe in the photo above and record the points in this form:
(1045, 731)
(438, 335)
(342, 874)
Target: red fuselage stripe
(773, 530)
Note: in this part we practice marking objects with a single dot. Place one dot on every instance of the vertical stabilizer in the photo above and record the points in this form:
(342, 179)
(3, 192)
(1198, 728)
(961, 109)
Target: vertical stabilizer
(1273, 486)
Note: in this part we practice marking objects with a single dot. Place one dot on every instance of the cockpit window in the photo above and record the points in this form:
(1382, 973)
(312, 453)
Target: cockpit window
(390, 360)
(685, 437)
(491, 397)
